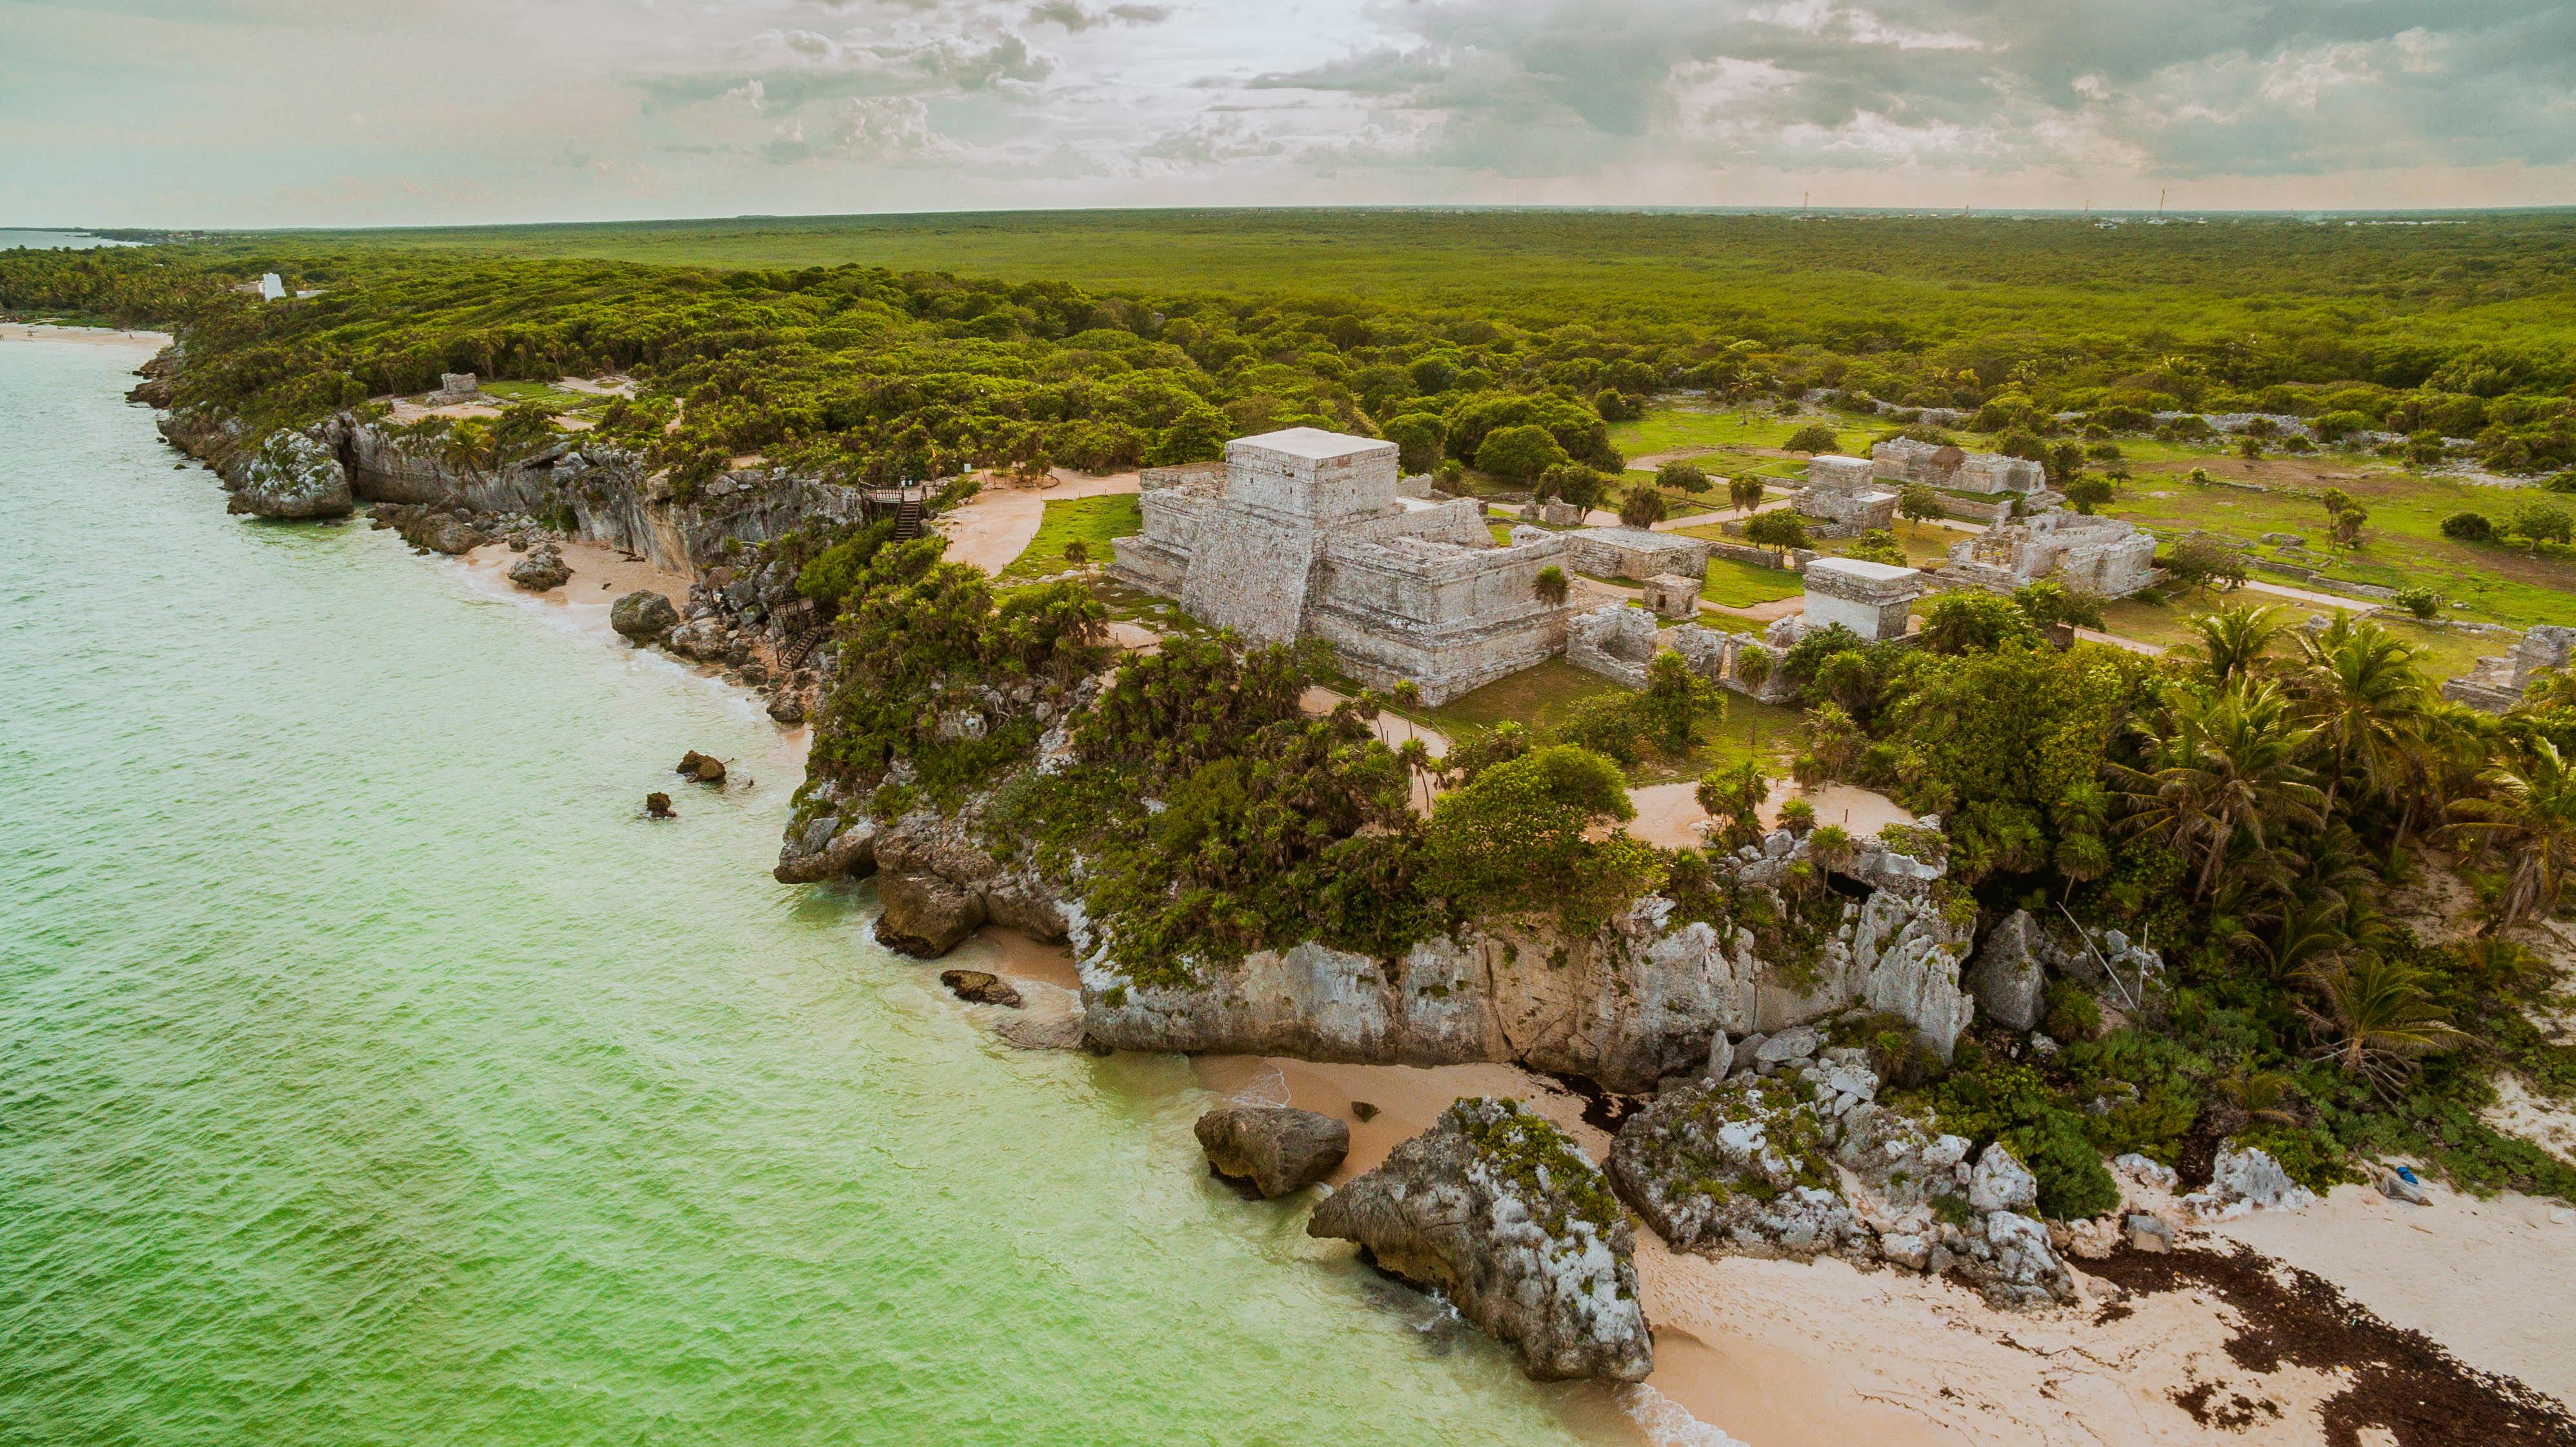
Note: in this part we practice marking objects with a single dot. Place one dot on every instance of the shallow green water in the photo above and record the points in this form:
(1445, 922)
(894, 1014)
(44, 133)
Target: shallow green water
(370, 1073)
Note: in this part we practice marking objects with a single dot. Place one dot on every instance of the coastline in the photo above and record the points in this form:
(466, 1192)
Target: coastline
(83, 336)
(1783, 1354)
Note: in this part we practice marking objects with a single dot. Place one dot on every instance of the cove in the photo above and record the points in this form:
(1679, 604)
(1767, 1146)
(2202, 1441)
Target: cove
(371, 1071)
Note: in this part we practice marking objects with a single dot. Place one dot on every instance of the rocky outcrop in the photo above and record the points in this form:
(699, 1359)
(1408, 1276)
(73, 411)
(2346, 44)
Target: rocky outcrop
(1278, 1148)
(643, 615)
(1495, 1209)
(1810, 1165)
(937, 884)
(542, 570)
(2243, 1179)
(2007, 979)
(700, 768)
(827, 846)
(290, 475)
(1644, 998)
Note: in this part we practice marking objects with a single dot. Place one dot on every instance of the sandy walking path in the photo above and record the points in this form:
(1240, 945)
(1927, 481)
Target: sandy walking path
(999, 522)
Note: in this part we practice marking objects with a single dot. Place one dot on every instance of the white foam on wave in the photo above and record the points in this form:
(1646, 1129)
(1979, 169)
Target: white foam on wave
(1666, 1422)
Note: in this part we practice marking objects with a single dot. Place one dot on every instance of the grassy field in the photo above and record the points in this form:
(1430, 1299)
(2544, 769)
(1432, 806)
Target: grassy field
(2401, 546)
(1694, 430)
(1540, 698)
(1092, 521)
(1904, 280)
(1741, 585)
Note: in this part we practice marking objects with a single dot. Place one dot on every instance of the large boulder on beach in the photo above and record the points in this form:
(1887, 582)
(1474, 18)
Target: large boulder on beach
(291, 475)
(441, 532)
(705, 639)
(925, 915)
(1739, 1167)
(643, 615)
(541, 570)
(1496, 1209)
(1278, 1148)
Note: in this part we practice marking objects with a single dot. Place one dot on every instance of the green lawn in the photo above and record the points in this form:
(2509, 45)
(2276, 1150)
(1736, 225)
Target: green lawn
(2164, 620)
(1681, 429)
(1091, 520)
(2402, 544)
(1741, 585)
(1539, 698)
(552, 396)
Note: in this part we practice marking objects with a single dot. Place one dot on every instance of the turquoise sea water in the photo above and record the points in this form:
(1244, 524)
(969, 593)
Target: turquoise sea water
(371, 1073)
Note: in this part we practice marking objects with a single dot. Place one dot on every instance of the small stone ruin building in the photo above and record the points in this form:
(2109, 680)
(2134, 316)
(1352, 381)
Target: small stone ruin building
(2101, 554)
(1670, 595)
(1641, 553)
(1873, 600)
(1306, 533)
(2497, 683)
(1902, 460)
(455, 387)
(1844, 498)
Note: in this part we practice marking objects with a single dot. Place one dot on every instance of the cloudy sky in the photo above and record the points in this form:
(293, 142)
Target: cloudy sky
(291, 112)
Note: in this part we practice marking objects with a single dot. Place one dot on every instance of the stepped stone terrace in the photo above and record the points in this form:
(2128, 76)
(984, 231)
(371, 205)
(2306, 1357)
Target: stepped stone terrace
(1308, 533)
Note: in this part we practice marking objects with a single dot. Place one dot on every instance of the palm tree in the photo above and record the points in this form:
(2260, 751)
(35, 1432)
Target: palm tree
(2225, 769)
(2310, 936)
(2529, 811)
(2377, 1016)
(1734, 796)
(2358, 686)
(2233, 641)
(2256, 1094)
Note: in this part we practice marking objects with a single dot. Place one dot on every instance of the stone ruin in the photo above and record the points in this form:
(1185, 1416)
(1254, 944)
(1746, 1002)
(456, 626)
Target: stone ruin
(1615, 641)
(1902, 460)
(454, 387)
(1843, 498)
(1670, 595)
(2497, 683)
(1874, 600)
(1618, 642)
(1306, 533)
(2101, 554)
(1555, 512)
(1625, 552)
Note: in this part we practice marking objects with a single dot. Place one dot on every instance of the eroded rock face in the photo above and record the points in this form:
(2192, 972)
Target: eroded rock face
(2007, 978)
(828, 848)
(292, 475)
(2246, 1178)
(939, 884)
(643, 615)
(1496, 1209)
(1278, 1148)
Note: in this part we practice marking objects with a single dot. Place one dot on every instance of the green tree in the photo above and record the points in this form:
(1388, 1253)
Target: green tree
(2378, 1015)
(1642, 506)
(2356, 684)
(2201, 561)
(1778, 531)
(1812, 439)
(1418, 438)
(1921, 503)
(1676, 701)
(1745, 493)
(2537, 522)
(2235, 643)
(1733, 797)
(1616, 406)
(1520, 452)
(2222, 769)
(1682, 477)
(2528, 814)
(2087, 491)
(2004, 745)
(1511, 841)
(1971, 620)
(2046, 602)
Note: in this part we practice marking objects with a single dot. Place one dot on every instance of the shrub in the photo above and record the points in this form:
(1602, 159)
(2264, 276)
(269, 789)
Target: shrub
(2073, 1014)
(1512, 840)
(1993, 1100)
(1972, 621)
(1813, 438)
(2538, 522)
(2469, 527)
(1778, 531)
(2421, 601)
(1876, 546)
(2201, 561)
(1550, 585)
(1616, 406)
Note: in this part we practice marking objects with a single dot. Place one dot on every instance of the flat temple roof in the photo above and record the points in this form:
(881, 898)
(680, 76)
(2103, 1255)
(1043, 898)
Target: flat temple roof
(1862, 568)
(1312, 443)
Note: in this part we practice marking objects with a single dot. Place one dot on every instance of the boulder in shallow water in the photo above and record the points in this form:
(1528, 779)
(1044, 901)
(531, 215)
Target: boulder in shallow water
(1495, 1208)
(925, 915)
(658, 806)
(643, 615)
(980, 987)
(446, 533)
(700, 768)
(1278, 1148)
(541, 570)
(291, 476)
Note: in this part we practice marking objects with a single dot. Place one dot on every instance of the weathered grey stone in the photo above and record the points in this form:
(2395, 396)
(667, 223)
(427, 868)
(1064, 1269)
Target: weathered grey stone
(839, 851)
(2247, 1179)
(1736, 1168)
(292, 475)
(2007, 979)
(2001, 1182)
(1278, 1148)
(924, 915)
(643, 615)
(542, 570)
(1796, 1043)
(2149, 1233)
(1497, 1210)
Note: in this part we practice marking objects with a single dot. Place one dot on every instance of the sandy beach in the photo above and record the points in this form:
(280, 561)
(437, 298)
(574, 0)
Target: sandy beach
(143, 341)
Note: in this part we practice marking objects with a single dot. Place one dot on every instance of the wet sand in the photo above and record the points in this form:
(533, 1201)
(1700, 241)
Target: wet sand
(141, 341)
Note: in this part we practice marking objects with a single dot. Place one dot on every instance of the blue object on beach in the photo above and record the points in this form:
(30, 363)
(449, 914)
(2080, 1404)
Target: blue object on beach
(2408, 1174)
